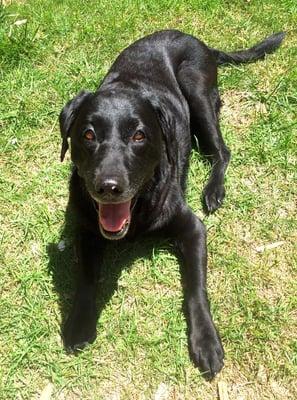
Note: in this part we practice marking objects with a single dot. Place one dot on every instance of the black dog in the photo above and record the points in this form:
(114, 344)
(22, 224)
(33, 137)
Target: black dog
(130, 145)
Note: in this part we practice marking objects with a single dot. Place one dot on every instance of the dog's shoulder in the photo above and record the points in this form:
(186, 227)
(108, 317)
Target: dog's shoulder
(81, 205)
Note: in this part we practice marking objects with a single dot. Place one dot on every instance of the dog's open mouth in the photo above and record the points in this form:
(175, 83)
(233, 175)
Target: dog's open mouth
(114, 219)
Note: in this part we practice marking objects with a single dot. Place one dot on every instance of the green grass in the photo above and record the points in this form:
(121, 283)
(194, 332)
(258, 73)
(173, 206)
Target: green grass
(64, 46)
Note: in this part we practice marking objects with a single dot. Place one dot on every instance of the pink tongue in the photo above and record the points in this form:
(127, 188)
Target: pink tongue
(114, 216)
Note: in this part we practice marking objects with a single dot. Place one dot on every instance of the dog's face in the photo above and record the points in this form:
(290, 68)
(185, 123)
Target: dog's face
(116, 144)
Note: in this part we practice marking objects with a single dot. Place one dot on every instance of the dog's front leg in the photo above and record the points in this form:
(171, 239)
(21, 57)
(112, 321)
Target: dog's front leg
(80, 327)
(205, 345)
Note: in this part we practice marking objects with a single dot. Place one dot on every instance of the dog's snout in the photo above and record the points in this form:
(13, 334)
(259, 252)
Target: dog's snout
(110, 187)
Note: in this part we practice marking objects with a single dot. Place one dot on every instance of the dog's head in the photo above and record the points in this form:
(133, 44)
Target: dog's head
(117, 141)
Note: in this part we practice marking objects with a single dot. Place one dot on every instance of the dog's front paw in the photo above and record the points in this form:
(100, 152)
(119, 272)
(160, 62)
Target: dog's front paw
(79, 331)
(213, 196)
(207, 353)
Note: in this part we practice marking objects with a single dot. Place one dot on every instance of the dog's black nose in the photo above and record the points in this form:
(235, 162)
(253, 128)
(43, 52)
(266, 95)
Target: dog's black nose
(109, 187)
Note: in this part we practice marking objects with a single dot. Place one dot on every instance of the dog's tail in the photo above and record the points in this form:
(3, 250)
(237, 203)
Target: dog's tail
(256, 52)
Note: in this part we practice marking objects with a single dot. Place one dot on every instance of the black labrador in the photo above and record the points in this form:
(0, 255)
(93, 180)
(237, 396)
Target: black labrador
(130, 145)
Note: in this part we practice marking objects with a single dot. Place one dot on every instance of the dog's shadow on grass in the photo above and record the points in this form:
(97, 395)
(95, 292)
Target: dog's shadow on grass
(118, 256)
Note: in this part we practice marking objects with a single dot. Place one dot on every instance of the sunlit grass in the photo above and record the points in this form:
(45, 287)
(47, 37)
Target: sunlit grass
(63, 47)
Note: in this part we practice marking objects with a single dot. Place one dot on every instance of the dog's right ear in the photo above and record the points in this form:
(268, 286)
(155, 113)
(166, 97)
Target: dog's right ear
(67, 117)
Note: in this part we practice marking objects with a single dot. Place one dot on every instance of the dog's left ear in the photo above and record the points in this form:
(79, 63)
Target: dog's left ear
(165, 122)
(67, 117)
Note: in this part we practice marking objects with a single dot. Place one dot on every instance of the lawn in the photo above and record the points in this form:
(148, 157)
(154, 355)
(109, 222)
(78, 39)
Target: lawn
(49, 50)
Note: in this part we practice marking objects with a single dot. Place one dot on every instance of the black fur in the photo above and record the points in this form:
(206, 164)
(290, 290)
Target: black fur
(165, 87)
(256, 52)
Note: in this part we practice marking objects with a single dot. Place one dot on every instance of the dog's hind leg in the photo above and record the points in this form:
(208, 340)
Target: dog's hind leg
(204, 103)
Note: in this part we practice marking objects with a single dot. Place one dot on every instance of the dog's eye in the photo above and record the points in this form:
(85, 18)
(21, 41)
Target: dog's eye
(89, 135)
(138, 136)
